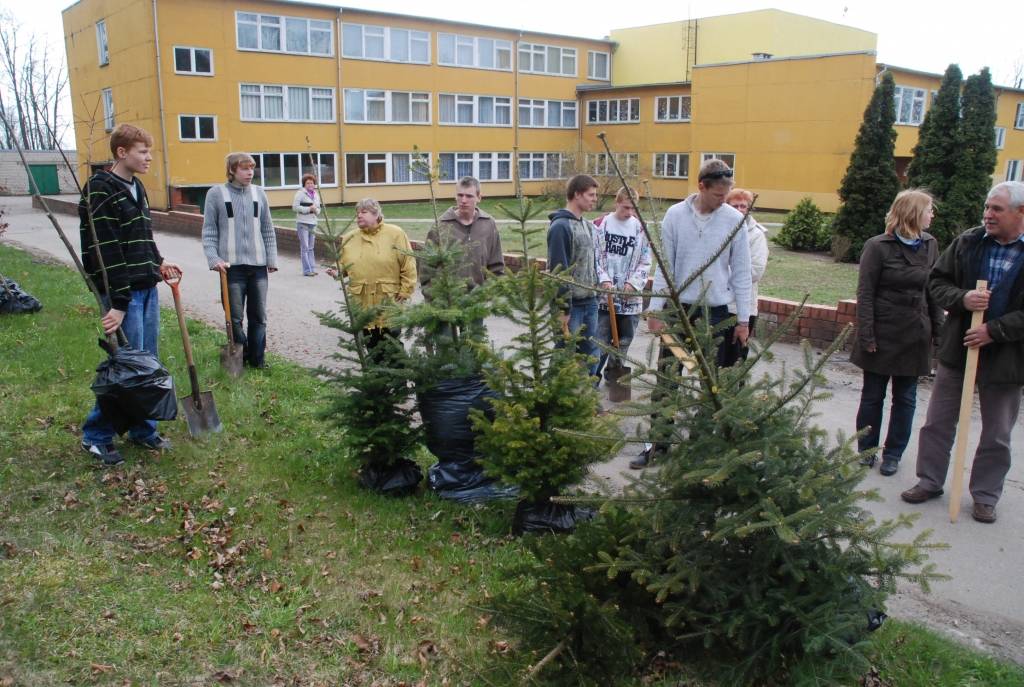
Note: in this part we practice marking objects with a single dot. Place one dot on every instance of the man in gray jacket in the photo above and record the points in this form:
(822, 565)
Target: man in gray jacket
(239, 240)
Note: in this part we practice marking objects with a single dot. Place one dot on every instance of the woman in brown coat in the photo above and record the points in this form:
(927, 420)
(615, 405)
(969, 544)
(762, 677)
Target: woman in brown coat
(896, 320)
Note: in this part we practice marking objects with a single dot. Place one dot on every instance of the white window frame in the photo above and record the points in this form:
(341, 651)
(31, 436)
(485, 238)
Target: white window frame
(478, 50)
(107, 95)
(534, 49)
(534, 104)
(192, 60)
(195, 118)
(461, 99)
(668, 100)
(1000, 133)
(660, 167)
(387, 31)
(704, 157)
(1018, 118)
(475, 159)
(282, 26)
(633, 110)
(285, 93)
(599, 164)
(530, 159)
(304, 154)
(415, 97)
(1015, 170)
(389, 162)
(592, 63)
(102, 42)
(916, 95)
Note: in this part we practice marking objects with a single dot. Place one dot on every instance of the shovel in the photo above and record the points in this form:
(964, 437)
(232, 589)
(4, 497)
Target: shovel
(615, 370)
(199, 409)
(230, 353)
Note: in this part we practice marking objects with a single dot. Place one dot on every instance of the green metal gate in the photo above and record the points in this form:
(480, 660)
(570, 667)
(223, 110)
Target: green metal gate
(45, 177)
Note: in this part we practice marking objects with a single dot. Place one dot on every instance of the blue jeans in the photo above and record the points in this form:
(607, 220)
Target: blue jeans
(247, 290)
(307, 237)
(583, 321)
(901, 413)
(626, 325)
(141, 326)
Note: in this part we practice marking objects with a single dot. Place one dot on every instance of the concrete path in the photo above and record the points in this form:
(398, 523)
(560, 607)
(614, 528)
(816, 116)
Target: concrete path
(982, 604)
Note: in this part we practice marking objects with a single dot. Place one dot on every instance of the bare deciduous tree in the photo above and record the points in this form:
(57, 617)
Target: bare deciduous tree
(33, 81)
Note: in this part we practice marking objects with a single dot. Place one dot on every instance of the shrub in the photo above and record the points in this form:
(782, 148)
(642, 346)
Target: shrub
(805, 228)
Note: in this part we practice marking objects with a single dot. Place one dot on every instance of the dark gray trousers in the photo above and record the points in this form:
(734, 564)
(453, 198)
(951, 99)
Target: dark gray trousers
(1000, 404)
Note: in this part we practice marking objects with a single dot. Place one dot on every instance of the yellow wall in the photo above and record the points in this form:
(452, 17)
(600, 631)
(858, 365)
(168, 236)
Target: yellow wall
(130, 74)
(658, 53)
(791, 123)
(1006, 110)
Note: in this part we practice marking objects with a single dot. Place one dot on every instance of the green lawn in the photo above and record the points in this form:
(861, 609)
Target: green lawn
(251, 557)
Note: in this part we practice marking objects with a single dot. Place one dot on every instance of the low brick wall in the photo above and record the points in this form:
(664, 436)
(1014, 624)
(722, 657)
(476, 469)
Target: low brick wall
(819, 324)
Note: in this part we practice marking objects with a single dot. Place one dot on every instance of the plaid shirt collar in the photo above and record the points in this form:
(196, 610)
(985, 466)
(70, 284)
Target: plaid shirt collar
(1001, 259)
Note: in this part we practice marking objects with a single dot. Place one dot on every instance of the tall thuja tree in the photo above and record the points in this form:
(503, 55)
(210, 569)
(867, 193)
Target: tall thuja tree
(751, 542)
(976, 159)
(372, 393)
(870, 182)
(542, 388)
(935, 154)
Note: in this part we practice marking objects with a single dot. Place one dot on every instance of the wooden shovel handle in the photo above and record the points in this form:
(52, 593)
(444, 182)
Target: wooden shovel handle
(224, 299)
(963, 426)
(613, 321)
(174, 283)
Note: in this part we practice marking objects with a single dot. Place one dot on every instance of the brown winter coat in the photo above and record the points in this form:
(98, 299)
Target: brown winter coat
(894, 309)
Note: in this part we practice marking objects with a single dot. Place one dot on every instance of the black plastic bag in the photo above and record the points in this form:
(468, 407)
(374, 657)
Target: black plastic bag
(445, 408)
(544, 516)
(13, 300)
(466, 482)
(132, 386)
(398, 479)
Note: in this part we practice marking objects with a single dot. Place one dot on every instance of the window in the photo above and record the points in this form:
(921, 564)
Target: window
(462, 109)
(1018, 120)
(483, 166)
(386, 107)
(672, 165)
(600, 164)
(672, 108)
(193, 60)
(547, 59)
(455, 50)
(272, 33)
(536, 166)
(613, 111)
(108, 109)
(549, 114)
(1000, 137)
(386, 168)
(274, 103)
(727, 158)
(1013, 171)
(386, 43)
(101, 42)
(197, 127)
(597, 65)
(909, 105)
(285, 170)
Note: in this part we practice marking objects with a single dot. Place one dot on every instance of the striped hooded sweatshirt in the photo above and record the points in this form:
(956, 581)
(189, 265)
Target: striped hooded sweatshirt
(124, 234)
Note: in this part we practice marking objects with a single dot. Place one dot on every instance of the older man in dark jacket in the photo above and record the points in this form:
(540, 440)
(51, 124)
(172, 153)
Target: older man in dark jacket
(995, 252)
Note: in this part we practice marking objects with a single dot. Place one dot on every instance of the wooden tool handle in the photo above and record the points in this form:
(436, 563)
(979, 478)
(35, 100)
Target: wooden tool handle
(963, 426)
(224, 299)
(614, 322)
(681, 355)
(173, 283)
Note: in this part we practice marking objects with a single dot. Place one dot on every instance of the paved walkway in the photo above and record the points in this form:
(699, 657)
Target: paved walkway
(982, 603)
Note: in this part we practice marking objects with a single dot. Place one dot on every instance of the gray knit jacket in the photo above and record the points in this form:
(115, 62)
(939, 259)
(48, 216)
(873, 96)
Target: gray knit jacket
(250, 247)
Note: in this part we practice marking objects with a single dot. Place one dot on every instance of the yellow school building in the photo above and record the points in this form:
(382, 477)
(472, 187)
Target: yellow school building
(363, 99)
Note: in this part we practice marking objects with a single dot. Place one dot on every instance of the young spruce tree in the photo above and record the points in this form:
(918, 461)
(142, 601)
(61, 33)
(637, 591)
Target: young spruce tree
(870, 182)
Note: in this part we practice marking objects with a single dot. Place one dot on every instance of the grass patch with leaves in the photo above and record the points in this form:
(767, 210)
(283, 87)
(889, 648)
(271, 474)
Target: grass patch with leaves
(251, 556)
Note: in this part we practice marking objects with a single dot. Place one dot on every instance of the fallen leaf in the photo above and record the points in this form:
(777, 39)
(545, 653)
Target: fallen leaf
(361, 643)
(178, 637)
(70, 499)
(226, 676)
(500, 647)
(426, 651)
(482, 621)
(275, 587)
(109, 615)
(10, 551)
(99, 668)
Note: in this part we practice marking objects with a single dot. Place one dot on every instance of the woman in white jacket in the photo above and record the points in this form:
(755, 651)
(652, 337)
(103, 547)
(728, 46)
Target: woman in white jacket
(307, 209)
(741, 199)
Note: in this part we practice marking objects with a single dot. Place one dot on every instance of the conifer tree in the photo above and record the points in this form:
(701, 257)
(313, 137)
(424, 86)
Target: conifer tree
(962, 206)
(935, 154)
(870, 183)
(541, 386)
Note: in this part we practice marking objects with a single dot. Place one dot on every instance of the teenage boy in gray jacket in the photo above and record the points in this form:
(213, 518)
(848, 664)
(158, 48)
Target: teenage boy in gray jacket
(239, 240)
